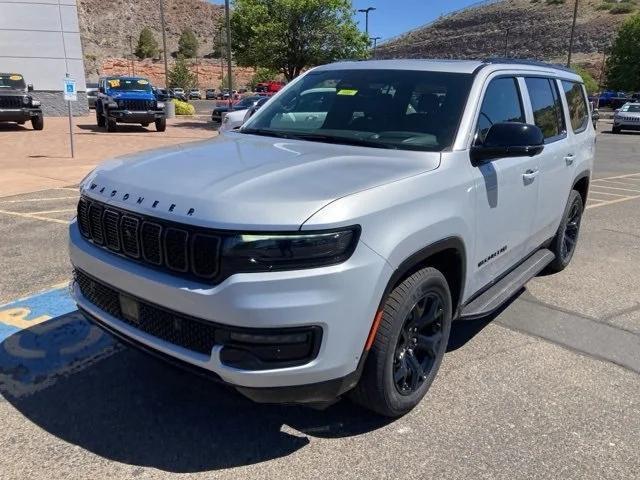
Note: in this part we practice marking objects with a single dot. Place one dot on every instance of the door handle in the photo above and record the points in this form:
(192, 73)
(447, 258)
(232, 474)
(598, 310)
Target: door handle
(530, 174)
(570, 159)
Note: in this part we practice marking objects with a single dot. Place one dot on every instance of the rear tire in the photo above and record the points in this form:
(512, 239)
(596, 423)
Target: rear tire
(564, 243)
(616, 129)
(161, 124)
(37, 123)
(409, 345)
(145, 125)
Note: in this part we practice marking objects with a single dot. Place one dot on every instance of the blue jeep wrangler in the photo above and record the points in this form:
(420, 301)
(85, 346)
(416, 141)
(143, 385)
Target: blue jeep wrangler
(128, 100)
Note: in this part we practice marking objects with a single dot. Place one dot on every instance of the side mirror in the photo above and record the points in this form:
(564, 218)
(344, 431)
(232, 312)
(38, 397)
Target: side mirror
(30, 87)
(509, 139)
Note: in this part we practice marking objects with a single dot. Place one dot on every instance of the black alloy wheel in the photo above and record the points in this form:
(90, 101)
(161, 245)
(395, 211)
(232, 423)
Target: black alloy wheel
(564, 243)
(571, 229)
(418, 344)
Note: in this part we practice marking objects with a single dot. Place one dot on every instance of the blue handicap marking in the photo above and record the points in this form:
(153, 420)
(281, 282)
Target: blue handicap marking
(43, 337)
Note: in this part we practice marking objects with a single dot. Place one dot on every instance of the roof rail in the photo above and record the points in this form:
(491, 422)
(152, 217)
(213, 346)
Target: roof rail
(534, 63)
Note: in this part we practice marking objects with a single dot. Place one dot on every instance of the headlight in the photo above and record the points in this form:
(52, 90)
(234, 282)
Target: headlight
(263, 253)
(35, 103)
(225, 119)
(160, 104)
(26, 100)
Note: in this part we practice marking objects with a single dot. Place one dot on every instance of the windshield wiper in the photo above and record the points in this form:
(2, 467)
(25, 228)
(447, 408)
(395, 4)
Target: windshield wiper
(360, 142)
(314, 137)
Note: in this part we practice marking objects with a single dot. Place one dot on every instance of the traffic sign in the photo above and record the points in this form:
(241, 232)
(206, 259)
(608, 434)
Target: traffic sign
(70, 92)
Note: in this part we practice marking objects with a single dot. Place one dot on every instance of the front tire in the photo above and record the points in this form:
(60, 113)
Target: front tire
(564, 243)
(112, 126)
(161, 124)
(409, 345)
(37, 123)
(100, 119)
(616, 129)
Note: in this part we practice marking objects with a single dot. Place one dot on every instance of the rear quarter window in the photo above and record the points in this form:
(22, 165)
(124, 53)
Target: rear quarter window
(578, 108)
(547, 107)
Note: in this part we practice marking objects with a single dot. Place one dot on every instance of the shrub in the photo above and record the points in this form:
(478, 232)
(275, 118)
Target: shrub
(622, 8)
(184, 108)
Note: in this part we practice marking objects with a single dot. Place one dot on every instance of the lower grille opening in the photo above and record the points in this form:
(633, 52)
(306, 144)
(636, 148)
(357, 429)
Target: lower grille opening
(244, 348)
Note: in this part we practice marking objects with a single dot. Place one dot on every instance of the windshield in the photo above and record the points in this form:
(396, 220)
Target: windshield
(247, 102)
(130, 84)
(631, 108)
(12, 81)
(399, 109)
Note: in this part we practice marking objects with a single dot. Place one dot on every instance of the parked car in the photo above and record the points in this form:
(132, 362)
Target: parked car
(194, 94)
(16, 104)
(210, 94)
(92, 94)
(128, 100)
(178, 93)
(234, 120)
(216, 114)
(612, 99)
(310, 255)
(627, 118)
(162, 94)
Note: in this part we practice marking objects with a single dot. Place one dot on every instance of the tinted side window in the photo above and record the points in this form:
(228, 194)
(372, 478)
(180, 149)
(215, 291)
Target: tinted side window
(578, 109)
(547, 108)
(501, 103)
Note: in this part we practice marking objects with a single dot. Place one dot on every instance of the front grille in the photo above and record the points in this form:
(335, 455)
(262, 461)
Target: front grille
(137, 104)
(10, 102)
(182, 250)
(169, 326)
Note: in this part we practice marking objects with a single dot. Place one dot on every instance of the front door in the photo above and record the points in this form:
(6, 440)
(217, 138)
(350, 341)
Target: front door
(506, 190)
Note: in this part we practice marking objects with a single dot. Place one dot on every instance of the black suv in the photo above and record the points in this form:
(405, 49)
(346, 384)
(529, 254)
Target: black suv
(15, 104)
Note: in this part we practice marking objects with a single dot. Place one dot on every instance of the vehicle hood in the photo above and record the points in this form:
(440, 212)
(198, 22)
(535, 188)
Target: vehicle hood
(123, 95)
(246, 181)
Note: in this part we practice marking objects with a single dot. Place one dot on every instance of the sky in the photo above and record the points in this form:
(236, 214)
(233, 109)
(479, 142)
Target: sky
(393, 17)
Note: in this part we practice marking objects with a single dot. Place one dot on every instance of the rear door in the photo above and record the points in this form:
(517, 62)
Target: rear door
(555, 164)
(507, 192)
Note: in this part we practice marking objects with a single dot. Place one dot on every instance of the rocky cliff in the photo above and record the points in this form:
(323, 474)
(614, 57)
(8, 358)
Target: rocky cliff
(537, 29)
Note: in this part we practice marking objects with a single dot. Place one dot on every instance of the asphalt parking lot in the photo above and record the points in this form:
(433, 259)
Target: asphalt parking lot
(547, 388)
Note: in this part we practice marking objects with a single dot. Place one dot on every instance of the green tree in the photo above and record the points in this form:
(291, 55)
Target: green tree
(263, 75)
(180, 75)
(589, 82)
(147, 44)
(188, 44)
(290, 35)
(623, 65)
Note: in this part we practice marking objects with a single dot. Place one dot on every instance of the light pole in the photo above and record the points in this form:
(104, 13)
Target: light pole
(164, 46)
(375, 44)
(366, 18)
(133, 67)
(228, 23)
(506, 44)
(573, 28)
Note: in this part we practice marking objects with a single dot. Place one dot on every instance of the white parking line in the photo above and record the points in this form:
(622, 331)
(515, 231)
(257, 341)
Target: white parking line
(611, 202)
(34, 217)
(52, 211)
(617, 182)
(592, 192)
(38, 199)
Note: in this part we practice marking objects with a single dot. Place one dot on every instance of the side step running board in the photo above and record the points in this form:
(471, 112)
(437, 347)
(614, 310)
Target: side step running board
(499, 293)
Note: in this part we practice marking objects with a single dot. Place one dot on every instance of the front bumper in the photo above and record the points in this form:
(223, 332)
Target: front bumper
(19, 114)
(341, 300)
(134, 116)
(625, 124)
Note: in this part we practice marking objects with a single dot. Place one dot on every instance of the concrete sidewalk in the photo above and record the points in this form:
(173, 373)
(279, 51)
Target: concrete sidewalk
(37, 160)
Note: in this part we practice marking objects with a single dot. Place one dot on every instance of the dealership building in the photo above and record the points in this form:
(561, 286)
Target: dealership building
(41, 40)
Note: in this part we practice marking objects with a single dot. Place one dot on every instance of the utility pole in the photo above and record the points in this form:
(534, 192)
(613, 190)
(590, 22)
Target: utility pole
(164, 46)
(366, 18)
(506, 44)
(573, 28)
(133, 66)
(221, 58)
(228, 23)
(604, 64)
(375, 44)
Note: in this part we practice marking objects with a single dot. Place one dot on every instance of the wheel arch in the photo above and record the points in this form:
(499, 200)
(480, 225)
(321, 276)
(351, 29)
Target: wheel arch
(581, 185)
(447, 255)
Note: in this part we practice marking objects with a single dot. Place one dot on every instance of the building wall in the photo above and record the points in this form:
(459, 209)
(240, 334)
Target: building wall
(41, 40)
